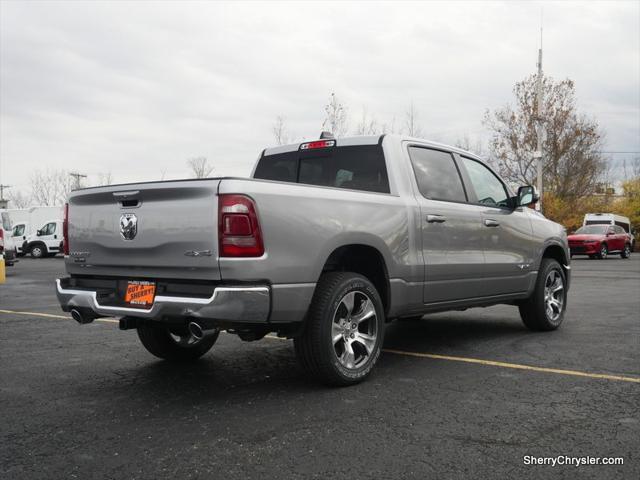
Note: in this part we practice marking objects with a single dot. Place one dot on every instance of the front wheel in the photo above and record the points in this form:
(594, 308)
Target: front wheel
(344, 329)
(38, 251)
(626, 251)
(545, 308)
(176, 344)
(604, 251)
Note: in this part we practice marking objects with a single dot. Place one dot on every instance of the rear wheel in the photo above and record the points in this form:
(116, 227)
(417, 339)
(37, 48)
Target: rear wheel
(604, 251)
(344, 329)
(544, 309)
(626, 251)
(176, 345)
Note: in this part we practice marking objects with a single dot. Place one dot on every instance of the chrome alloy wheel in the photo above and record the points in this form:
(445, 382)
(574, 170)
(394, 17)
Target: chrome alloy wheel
(603, 251)
(554, 295)
(354, 330)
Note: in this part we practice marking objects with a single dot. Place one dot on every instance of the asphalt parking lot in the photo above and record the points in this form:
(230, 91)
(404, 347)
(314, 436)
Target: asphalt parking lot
(90, 402)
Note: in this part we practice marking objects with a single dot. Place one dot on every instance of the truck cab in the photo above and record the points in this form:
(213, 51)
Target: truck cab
(46, 241)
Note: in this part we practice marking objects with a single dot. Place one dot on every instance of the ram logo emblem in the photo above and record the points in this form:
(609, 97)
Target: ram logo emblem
(128, 226)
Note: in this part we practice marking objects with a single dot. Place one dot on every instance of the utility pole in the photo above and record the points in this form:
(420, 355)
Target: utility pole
(77, 177)
(539, 121)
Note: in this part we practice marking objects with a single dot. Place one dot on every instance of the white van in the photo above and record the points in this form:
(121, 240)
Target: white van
(27, 221)
(7, 245)
(46, 241)
(611, 219)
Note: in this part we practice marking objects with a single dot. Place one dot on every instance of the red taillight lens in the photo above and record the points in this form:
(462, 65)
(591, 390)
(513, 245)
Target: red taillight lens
(65, 230)
(239, 232)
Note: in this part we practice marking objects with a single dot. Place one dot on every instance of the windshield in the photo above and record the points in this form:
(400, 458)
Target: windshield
(592, 230)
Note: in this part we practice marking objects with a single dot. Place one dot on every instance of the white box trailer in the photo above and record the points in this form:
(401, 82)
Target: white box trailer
(26, 224)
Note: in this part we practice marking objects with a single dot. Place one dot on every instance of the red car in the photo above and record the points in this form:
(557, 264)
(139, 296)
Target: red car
(598, 241)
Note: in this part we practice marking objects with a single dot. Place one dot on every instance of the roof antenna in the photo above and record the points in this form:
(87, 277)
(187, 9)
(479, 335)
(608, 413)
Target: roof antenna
(326, 134)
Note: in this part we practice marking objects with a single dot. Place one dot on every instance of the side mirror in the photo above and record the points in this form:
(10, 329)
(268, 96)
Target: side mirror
(527, 196)
(39, 233)
(610, 233)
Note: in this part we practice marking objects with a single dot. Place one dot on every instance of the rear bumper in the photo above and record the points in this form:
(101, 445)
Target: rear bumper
(238, 304)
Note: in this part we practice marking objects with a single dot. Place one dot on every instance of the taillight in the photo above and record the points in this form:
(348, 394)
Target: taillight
(239, 232)
(65, 230)
(1, 239)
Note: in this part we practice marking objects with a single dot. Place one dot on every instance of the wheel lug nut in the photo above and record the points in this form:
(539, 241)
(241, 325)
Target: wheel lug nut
(353, 325)
(352, 335)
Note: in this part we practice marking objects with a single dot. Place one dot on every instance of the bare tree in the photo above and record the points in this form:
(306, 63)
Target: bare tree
(50, 187)
(411, 123)
(389, 127)
(279, 130)
(470, 145)
(367, 125)
(105, 179)
(200, 167)
(336, 120)
(573, 164)
(17, 199)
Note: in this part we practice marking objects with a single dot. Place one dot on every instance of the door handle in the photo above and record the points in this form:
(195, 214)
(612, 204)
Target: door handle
(489, 222)
(436, 218)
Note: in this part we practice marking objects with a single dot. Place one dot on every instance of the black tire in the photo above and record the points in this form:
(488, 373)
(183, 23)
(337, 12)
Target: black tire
(39, 250)
(533, 311)
(159, 342)
(604, 251)
(314, 346)
(626, 251)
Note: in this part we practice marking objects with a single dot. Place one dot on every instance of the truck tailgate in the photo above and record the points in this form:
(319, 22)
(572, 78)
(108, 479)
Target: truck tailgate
(152, 230)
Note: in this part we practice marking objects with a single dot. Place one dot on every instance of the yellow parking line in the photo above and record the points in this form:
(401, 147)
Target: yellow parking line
(62, 317)
(432, 356)
(517, 366)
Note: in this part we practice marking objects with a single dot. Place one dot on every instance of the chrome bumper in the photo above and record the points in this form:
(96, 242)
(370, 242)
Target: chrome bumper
(233, 304)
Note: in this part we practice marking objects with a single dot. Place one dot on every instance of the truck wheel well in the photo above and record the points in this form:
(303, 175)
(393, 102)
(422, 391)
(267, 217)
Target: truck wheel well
(365, 260)
(556, 252)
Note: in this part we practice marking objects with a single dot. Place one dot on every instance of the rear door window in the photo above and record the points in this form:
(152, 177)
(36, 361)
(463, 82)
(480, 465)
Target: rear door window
(437, 175)
(360, 167)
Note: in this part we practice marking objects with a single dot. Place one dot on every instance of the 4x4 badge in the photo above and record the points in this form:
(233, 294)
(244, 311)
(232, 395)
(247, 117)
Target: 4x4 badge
(128, 226)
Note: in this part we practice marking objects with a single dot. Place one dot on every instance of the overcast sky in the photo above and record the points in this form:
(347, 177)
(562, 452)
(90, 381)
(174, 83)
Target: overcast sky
(136, 88)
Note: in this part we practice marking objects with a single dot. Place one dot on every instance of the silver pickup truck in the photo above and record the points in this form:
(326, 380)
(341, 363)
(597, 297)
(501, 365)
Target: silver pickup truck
(328, 241)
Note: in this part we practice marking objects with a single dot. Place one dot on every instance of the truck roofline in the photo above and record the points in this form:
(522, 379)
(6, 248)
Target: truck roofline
(371, 140)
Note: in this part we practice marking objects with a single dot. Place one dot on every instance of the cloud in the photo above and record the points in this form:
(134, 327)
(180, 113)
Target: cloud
(136, 88)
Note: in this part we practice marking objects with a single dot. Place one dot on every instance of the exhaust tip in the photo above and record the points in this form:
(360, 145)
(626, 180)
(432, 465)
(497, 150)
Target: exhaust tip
(196, 331)
(79, 317)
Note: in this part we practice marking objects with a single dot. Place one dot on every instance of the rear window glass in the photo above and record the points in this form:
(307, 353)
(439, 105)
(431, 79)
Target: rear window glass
(360, 167)
(437, 175)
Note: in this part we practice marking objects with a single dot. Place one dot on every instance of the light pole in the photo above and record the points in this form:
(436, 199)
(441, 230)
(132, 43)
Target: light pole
(539, 122)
